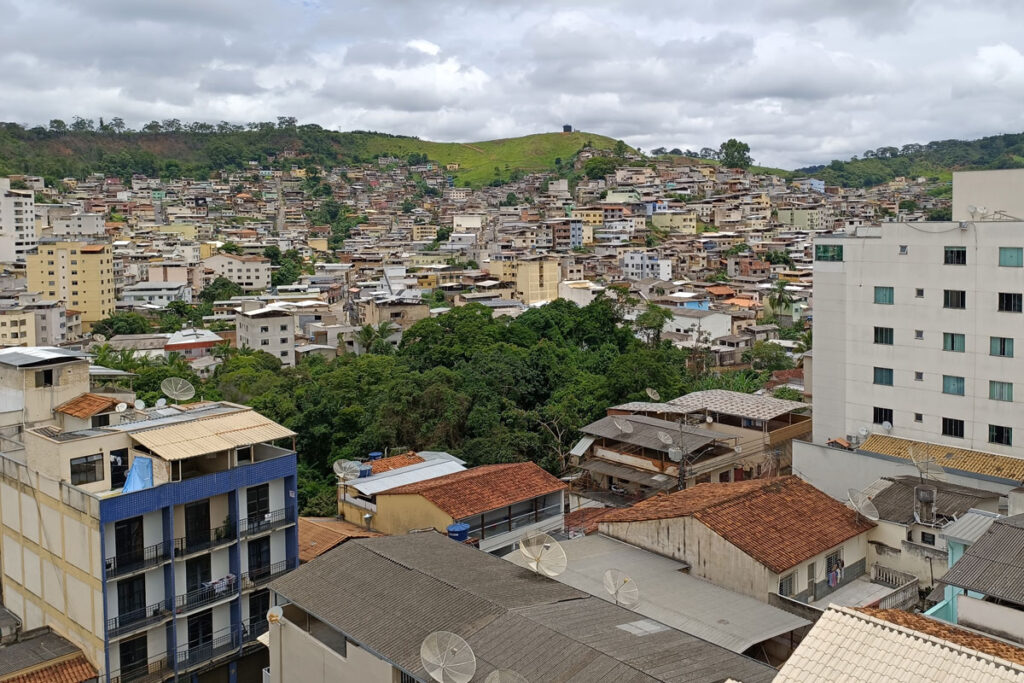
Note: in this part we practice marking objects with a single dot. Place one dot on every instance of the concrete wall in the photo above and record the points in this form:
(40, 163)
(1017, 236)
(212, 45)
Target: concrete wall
(398, 514)
(296, 655)
(1000, 621)
(889, 547)
(991, 190)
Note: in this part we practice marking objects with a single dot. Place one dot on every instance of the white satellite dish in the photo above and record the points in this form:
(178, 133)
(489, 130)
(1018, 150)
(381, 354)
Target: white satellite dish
(623, 426)
(665, 438)
(139, 404)
(622, 588)
(505, 676)
(161, 402)
(544, 554)
(709, 419)
(177, 388)
(274, 614)
(120, 407)
(863, 431)
(447, 658)
(346, 469)
(738, 448)
(99, 337)
(653, 394)
(862, 504)
(887, 426)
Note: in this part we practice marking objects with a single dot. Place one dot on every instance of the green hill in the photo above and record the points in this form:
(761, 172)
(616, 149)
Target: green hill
(196, 150)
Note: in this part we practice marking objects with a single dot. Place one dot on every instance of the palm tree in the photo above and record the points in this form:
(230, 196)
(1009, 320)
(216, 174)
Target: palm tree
(365, 337)
(804, 342)
(778, 297)
(223, 351)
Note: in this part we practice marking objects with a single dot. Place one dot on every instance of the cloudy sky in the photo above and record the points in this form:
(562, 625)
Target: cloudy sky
(802, 81)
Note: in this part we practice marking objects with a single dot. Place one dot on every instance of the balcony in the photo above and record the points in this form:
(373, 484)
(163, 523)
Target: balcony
(258, 524)
(257, 577)
(207, 594)
(156, 669)
(136, 560)
(254, 628)
(218, 536)
(139, 618)
(224, 642)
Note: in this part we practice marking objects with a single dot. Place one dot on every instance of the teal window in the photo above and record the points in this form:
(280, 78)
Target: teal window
(1011, 257)
(883, 376)
(1000, 435)
(954, 298)
(1000, 391)
(953, 385)
(953, 341)
(883, 295)
(1000, 346)
(883, 335)
(828, 252)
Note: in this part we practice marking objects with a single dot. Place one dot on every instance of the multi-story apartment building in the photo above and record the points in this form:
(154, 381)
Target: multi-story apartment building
(251, 273)
(17, 222)
(535, 277)
(145, 537)
(80, 225)
(81, 274)
(641, 265)
(270, 329)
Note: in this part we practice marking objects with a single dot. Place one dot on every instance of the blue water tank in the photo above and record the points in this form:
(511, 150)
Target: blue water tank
(365, 471)
(376, 455)
(458, 532)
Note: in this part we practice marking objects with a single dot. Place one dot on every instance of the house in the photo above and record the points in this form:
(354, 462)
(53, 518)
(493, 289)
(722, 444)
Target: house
(193, 343)
(357, 497)
(498, 503)
(768, 536)
(397, 590)
(251, 273)
(959, 536)
(270, 328)
(42, 656)
(157, 293)
(317, 535)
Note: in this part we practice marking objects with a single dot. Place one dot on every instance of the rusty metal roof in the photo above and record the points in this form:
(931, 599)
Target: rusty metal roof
(210, 435)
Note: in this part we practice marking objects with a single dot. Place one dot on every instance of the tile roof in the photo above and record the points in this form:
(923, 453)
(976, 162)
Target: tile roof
(483, 488)
(780, 522)
(393, 462)
(42, 656)
(317, 535)
(87, 405)
(895, 498)
(74, 670)
(949, 457)
(847, 645)
(585, 519)
(737, 403)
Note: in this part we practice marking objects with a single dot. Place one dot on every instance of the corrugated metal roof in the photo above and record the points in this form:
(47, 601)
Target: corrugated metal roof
(582, 445)
(970, 527)
(654, 480)
(406, 475)
(211, 434)
(894, 498)
(738, 404)
(994, 564)
(38, 355)
(645, 433)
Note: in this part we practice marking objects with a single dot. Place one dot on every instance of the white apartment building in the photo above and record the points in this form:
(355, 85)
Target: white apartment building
(80, 225)
(17, 222)
(251, 273)
(270, 329)
(641, 265)
(914, 329)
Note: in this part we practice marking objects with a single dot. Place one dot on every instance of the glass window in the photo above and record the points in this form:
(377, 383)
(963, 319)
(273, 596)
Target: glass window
(1011, 302)
(881, 415)
(1000, 346)
(953, 385)
(919, 293)
(927, 538)
(786, 584)
(1000, 391)
(952, 427)
(918, 417)
(955, 256)
(953, 341)
(1000, 435)
(828, 252)
(918, 334)
(918, 376)
(954, 298)
(883, 295)
(883, 335)
(883, 376)
(87, 469)
(1011, 257)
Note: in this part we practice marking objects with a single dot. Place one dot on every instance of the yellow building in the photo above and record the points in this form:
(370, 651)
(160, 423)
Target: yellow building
(17, 327)
(424, 232)
(589, 216)
(536, 278)
(187, 231)
(81, 274)
(682, 222)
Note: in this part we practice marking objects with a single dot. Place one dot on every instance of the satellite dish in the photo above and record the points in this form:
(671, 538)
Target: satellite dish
(505, 676)
(675, 454)
(120, 407)
(623, 426)
(738, 448)
(887, 426)
(653, 394)
(622, 588)
(177, 388)
(709, 419)
(863, 431)
(274, 614)
(447, 658)
(862, 504)
(139, 404)
(665, 438)
(346, 469)
(161, 402)
(544, 554)
(99, 337)
(972, 209)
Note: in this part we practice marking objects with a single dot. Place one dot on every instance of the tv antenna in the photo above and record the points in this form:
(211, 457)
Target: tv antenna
(505, 676)
(653, 394)
(177, 388)
(927, 468)
(544, 554)
(447, 657)
(862, 504)
(623, 426)
(621, 587)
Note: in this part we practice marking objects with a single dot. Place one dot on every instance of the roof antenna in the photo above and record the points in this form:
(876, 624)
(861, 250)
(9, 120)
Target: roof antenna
(447, 657)
(544, 554)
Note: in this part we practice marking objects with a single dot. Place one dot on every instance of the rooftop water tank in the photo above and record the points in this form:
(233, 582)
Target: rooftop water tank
(376, 455)
(458, 532)
(365, 471)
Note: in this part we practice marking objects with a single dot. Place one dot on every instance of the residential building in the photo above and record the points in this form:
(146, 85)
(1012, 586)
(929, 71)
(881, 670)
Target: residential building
(80, 274)
(17, 327)
(511, 617)
(17, 223)
(403, 311)
(959, 536)
(641, 265)
(42, 656)
(251, 273)
(79, 225)
(535, 278)
(357, 497)
(157, 294)
(270, 329)
(193, 343)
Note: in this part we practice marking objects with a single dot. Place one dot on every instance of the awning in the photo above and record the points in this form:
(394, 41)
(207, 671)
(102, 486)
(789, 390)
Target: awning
(582, 445)
(210, 435)
(654, 480)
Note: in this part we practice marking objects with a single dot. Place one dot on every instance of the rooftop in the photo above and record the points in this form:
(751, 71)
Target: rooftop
(970, 527)
(780, 522)
(645, 430)
(994, 564)
(317, 535)
(894, 498)
(394, 462)
(88, 405)
(948, 457)
(738, 404)
(43, 657)
(30, 356)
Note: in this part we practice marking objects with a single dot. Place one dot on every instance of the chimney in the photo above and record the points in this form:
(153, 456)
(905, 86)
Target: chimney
(1016, 500)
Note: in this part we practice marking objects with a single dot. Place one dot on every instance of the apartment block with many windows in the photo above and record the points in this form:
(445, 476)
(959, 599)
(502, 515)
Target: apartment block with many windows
(80, 274)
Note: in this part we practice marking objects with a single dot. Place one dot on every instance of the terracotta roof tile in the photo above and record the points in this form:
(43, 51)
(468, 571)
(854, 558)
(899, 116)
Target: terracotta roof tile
(949, 457)
(393, 462)
(317, 535)
(74, 670)
(780, 522)
(87, 405)
(954, 634)
(483, 488)
(586, 519)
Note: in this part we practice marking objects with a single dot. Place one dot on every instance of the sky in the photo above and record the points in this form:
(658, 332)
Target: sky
(802, 82)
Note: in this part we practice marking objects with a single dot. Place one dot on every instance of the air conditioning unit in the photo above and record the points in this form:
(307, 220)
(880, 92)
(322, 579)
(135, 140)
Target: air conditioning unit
(854, 439)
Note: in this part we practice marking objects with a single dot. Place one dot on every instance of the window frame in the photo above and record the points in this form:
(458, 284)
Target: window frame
(89, 468)
(880, 375)
(996, 430)
(1010, 302)
(790, 580)
(880, 415)
(883, 333)
(954, 385)
(1000, 391)
(1018, 256)
(949, 302)
(954, 256)
(950, 339)
(885, 296)
(952, 425)
(925, 536)
(1001, 342)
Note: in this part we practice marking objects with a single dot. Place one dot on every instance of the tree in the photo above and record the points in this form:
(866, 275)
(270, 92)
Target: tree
(221, 289)
(620, 148)
(908, 205)
(650, 323)
(766, 355)
(58, 126)
(273, 252)
(231, 248)
(735, 154)
(597, 168)
(779, 298)
(788, 394)
(122, 323)
(943, 214)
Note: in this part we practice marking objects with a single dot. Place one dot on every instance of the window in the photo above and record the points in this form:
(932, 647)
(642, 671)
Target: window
(1011, 257)
(264, 329)
(904, 250)
(834, 561)
(918, 417)
(918, 334)
(883, 335)
(918, 376)
(953, 341)
(264, 342)
(883, 376)
(284, 340)
(284, 354)
(954, 298)
(919, 293)
(828, 252)
(1011, 302)
(1000, 391)
(44, 378)
(87, 469)
(955, 256)
(883, 295)
(786, 584)
(1000, 346)
(1000, 435)
(284, 328)
(927, 538)
(953, 385)
(952, 427)
(881, 415)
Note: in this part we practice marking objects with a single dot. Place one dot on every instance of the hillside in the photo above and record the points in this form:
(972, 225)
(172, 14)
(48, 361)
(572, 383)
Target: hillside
(187, 152)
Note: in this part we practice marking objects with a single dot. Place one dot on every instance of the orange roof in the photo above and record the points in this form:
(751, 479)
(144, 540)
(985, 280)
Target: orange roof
(948, 632)
(317, 535)
(483, 488)
(780, 522)
(87, 405)
(395, 461)
(586, 518)
(721, 290)
(74, 670)
(93, 248)
(736, 301)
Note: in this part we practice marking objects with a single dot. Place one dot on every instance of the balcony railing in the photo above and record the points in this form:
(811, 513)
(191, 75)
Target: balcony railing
(134, 560)
(190, 656)
(268, 522)
(207, 594)
(138, 618)
(261, 575)
(506, 524)
(155, 669)
(220, 535)
(266, 675)
(254, 629)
